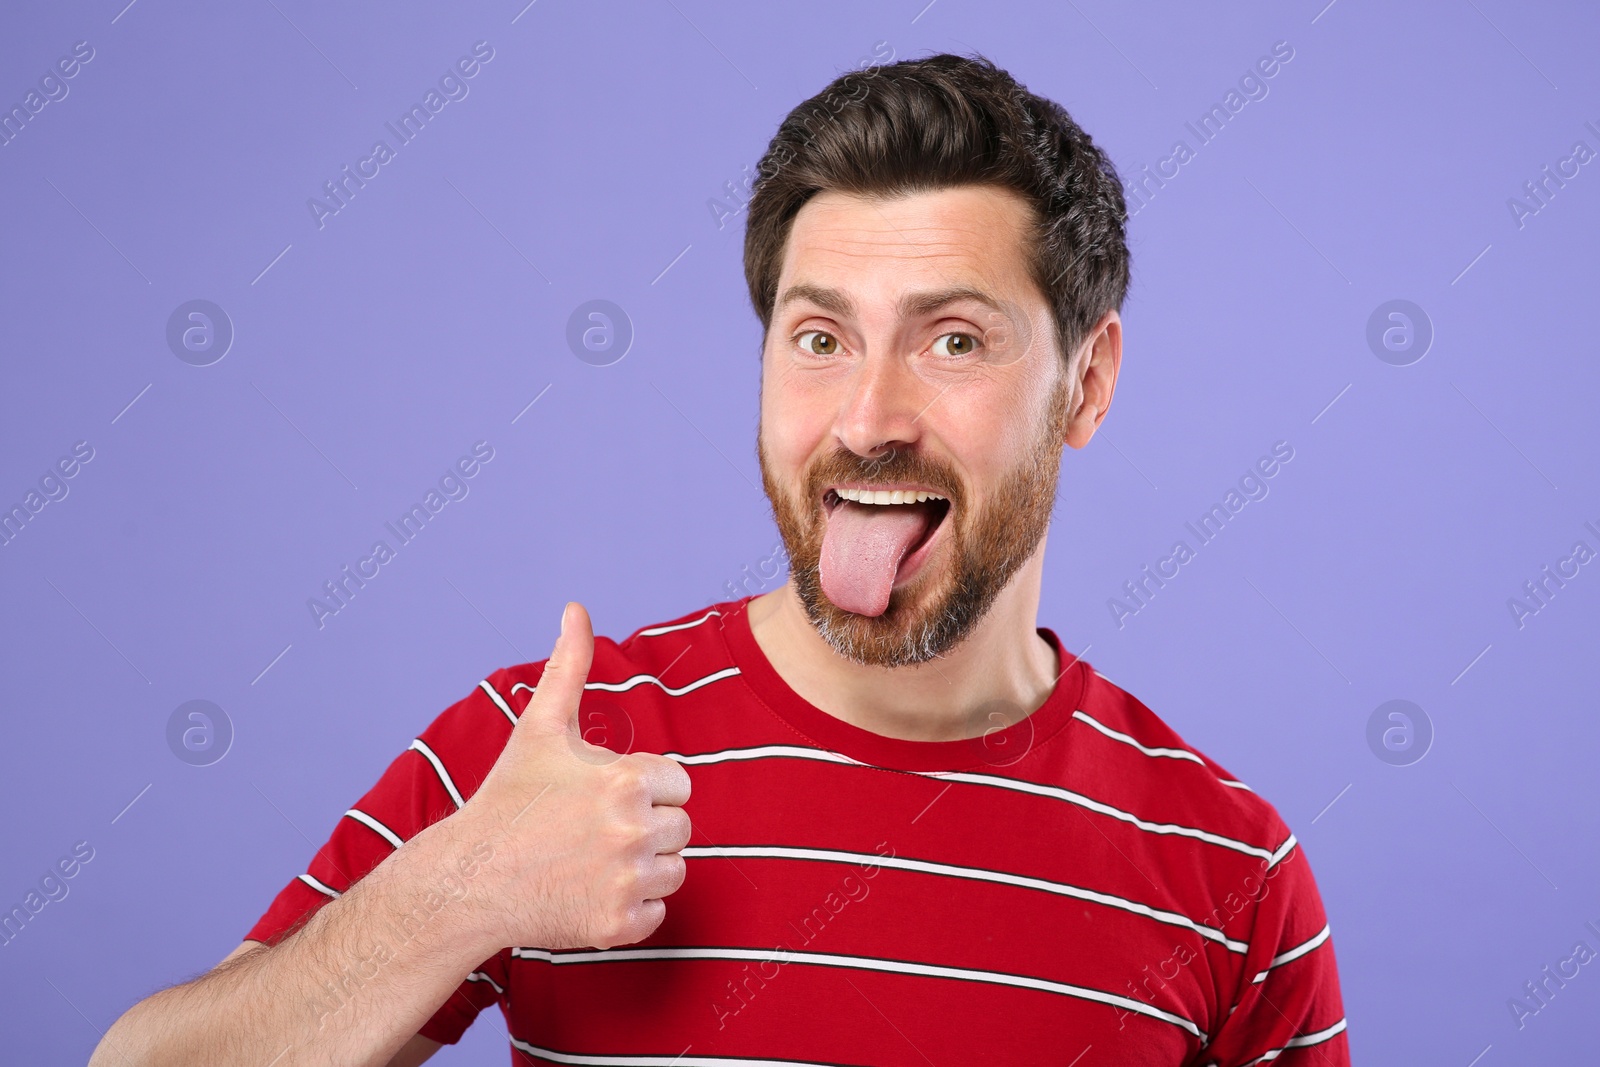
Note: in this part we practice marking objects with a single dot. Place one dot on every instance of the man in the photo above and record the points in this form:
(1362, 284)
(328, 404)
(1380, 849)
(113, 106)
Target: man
(921, 830)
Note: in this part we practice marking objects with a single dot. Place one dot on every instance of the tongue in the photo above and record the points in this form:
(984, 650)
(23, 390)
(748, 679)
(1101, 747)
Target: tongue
(862, 551)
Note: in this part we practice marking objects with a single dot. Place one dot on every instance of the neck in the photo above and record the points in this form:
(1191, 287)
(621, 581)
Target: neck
(1001, 672)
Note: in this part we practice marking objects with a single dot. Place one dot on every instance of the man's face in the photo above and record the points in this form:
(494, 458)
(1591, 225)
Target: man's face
(909, 350)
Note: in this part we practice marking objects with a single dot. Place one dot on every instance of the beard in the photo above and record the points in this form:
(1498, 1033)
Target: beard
(939, 607)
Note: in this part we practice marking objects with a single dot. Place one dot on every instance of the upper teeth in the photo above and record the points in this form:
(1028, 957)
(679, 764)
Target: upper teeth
(887, 496)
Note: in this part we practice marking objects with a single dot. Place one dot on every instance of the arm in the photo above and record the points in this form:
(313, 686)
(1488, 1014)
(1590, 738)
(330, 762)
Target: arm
(1287, 1009)
(279, 999)
(564, 845)
(413, 1053)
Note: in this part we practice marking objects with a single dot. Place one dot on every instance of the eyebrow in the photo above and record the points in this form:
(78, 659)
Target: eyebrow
(923, 302)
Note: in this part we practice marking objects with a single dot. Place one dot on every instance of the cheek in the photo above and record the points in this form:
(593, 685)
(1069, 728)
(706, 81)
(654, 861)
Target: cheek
(985, 431)
(794, 422)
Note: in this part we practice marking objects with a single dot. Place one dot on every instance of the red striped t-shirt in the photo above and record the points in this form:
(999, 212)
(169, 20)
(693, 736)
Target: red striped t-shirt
(1080, 888)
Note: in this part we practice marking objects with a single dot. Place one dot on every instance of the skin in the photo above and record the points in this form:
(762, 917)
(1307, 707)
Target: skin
(893, 384)
(590, 868)
(595, 868)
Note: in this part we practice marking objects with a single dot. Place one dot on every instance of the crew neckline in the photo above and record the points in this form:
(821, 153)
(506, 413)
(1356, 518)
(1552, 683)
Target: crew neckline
(994, 751)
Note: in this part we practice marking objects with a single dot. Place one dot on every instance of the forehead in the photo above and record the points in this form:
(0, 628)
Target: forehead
(970, 235)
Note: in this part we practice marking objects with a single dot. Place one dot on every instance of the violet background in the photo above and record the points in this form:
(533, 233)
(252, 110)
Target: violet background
(429, 312)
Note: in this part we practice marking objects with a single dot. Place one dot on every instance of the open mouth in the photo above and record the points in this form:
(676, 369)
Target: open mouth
(876, 539)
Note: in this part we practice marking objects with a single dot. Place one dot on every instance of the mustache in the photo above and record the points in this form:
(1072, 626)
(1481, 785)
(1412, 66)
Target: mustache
(895, 466)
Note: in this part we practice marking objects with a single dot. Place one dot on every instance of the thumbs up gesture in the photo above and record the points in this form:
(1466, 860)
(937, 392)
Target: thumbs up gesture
(587, 840)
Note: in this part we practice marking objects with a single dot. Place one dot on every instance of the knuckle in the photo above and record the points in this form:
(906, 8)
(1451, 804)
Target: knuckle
(625, 834)
(628, 782)
(623, 772)
(621, 923)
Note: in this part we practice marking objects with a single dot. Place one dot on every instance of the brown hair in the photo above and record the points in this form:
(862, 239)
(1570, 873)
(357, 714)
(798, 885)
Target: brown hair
(925, 124)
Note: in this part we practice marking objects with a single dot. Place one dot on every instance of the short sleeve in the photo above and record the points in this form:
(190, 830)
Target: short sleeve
(1287, 1010)
(427, 782)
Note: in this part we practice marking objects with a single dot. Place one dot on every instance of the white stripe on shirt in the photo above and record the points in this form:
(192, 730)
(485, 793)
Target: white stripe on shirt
(1292, 954)
(499, 701)
(438, 766)
(1170, 753)
(866, 963)
(640, 679)
(997, 782)
(381, 830)
(657, 631)
(1303, 1041)
(729, 755)
(975, 873)
(320, 886)
(680, 1060)
(479, 976)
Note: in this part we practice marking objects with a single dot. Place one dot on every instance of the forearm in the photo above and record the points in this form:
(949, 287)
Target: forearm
(349, 987)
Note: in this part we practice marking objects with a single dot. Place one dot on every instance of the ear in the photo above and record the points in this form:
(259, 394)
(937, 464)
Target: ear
(1095, 366)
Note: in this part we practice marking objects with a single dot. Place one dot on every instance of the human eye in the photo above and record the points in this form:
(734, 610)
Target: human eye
(959, 345)
(824, 343)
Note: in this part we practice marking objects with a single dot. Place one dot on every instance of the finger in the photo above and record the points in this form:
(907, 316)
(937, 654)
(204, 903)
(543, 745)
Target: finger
(665, 778)
(647, 917)
(639, 921)
(554, 704)
(670, 829)
(666, 877)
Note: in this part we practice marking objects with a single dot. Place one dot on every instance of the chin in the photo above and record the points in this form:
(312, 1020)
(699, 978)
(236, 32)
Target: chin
(925, 618)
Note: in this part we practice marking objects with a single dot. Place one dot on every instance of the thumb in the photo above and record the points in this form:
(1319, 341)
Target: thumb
(554, 704)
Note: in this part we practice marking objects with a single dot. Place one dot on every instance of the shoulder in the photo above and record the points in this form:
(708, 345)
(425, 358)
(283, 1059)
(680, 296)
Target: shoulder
(1140, 760)
(479, 724)
(1242, 874)
(653, 645)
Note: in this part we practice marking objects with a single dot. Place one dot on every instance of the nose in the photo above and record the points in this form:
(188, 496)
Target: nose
(882, 406)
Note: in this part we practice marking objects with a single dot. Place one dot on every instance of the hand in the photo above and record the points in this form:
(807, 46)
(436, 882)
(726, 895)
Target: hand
(586, 841)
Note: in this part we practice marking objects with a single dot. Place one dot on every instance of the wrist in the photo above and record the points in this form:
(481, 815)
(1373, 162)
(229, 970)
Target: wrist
(454, 893)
